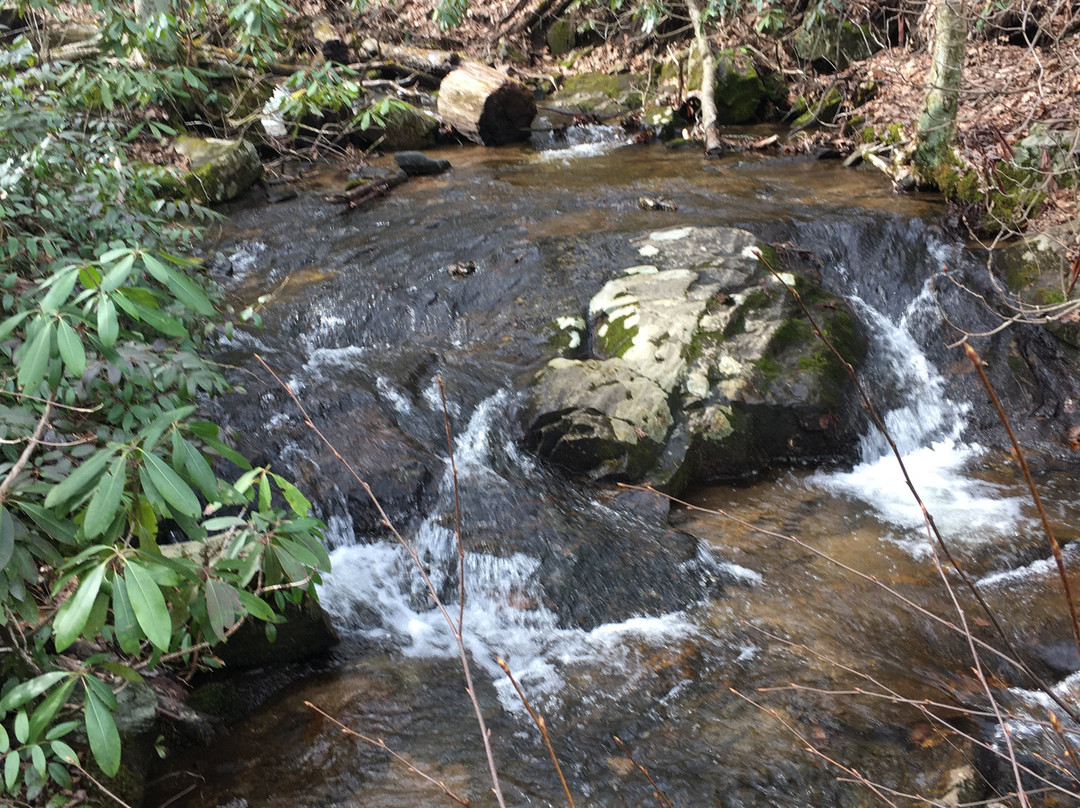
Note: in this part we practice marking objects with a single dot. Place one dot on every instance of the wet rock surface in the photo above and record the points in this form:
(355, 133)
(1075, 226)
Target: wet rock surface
(701, 365)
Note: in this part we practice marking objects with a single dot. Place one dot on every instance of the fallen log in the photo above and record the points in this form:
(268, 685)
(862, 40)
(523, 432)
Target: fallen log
(486, 106)
(421, 60)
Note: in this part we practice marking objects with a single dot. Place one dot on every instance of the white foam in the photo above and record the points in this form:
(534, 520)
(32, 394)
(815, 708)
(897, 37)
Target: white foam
(927, 428)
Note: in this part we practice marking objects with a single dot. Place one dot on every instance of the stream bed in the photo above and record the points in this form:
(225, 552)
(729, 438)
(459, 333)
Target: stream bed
(718, 649)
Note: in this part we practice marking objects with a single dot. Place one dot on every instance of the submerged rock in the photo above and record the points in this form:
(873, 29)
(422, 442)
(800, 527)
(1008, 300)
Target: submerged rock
(701, 366)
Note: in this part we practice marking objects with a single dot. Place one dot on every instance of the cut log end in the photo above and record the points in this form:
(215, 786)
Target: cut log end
(485, 106)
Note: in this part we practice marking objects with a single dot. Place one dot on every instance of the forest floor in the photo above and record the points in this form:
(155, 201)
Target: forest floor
(1007, 87)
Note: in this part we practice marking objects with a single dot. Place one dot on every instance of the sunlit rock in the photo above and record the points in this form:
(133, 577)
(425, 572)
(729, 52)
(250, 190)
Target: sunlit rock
(704, 367)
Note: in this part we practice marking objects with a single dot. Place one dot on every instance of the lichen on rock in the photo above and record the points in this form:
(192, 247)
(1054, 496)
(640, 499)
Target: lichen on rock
(701, 367)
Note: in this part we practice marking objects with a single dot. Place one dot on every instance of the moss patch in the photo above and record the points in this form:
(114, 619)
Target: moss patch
(617, 337)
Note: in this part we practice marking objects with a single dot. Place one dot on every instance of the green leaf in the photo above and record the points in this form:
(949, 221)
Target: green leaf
(171, 487)
(297, 501)
(118, 274)
(102, 735)
(31, 689)
(157, 270)
(63, 530)
(255, 606)
(37, 758)
(152, 432)
(11, 771)
(35, 358)
(264, 493)
(7, 536)
(22, 726)
(107, 325)
(5, 741)
(219, 523)
(123, 671)
(64, 752)
(189, 293)
(72, 616)
(222, 604)
(125, 624)
(226, 451)
(49, 707)
(80, 479)
(105, 503)
(198, 468)
(149, 605)
(60, 291)
(102, 690)
(71, 348)
(12, 322)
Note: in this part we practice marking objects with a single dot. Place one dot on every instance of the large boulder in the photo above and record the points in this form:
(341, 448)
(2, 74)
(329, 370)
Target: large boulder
(702, 366)
(604, 96)
(220, 169)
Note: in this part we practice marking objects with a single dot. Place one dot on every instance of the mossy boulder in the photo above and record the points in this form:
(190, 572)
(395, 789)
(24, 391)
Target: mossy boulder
(405, 128)
(220, 169)
(740, 89)
(561, 37)
(603, 95)
(1055, 151)
(832, 43)
(702, 367)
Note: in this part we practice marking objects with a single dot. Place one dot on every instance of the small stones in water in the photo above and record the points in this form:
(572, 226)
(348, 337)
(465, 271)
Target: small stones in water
(461, 269)
(656, 203)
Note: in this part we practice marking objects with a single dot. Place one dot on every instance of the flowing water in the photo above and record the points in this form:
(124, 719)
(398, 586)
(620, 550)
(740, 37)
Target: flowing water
(718, 649)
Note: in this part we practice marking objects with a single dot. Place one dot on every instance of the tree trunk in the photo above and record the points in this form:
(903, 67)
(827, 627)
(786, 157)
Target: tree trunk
(937, 123)
(708, 80)
(486, 106)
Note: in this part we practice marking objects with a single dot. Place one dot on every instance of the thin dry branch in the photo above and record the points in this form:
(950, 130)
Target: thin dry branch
(470, 690)
(660, 798)
(381, 744)
(541, 725)
(1055, 546)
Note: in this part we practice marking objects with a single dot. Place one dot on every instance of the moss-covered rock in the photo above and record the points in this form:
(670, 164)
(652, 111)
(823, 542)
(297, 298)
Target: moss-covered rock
(821, 110)
(561, 37)
(604, 95)
(405, 128)
(702, 366)
(740, 89)
(220, 169)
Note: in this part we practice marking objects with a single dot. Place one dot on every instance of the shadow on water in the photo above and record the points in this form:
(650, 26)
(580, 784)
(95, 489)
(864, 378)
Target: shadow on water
(616, 616)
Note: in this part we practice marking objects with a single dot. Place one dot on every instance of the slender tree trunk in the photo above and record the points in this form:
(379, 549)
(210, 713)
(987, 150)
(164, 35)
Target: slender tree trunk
(708, 80)
(938, 120)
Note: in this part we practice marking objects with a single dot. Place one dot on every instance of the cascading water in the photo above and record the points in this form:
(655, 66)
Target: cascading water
(376, 595)
(596, 604)
(927, 427)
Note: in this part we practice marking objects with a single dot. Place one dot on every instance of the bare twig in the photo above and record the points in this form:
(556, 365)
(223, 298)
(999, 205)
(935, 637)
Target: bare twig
(27, 452)
(470, 690)
(381, 744)
(541, 725)
(660, 798)
(1055, 546)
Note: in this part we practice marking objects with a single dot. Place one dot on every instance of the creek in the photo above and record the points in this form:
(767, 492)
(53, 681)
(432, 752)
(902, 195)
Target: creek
(617, 616)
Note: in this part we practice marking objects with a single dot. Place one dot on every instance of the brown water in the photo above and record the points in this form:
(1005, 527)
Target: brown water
(718, 686)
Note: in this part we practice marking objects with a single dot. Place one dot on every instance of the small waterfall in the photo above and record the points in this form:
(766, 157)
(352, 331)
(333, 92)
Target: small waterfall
(376, 595)
(928, 429)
